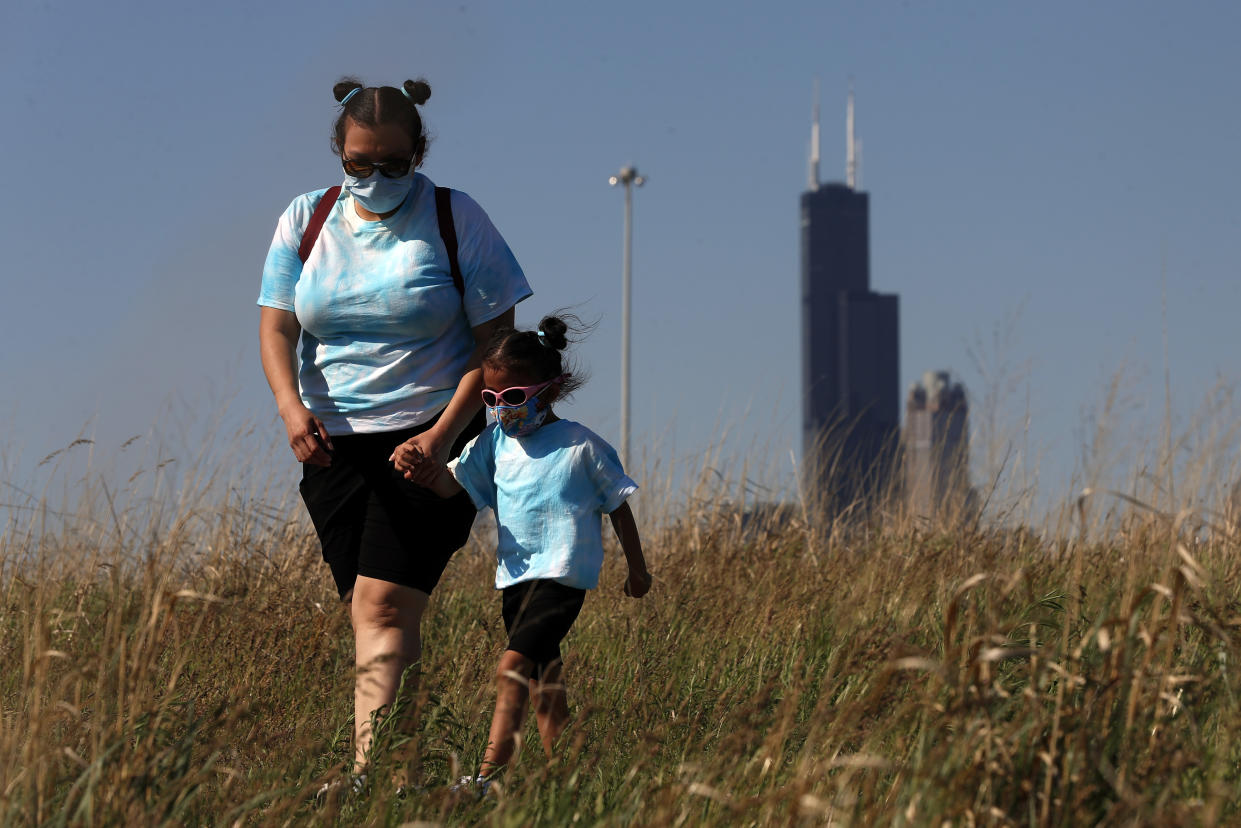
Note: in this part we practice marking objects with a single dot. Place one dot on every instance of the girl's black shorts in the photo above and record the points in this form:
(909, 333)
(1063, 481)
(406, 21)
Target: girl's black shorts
(372, 521)
(537, 616)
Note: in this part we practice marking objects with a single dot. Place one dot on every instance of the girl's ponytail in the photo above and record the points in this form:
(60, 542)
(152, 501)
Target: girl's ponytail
(540, 353)
(552, 333)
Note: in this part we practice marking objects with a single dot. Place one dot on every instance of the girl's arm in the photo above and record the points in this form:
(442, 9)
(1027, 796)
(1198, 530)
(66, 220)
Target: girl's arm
(639, 581)
(444, 484)
(422, 456)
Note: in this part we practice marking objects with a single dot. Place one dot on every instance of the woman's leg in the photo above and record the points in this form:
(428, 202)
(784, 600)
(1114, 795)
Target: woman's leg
(551, 705)
(386, 628)
(511, 697)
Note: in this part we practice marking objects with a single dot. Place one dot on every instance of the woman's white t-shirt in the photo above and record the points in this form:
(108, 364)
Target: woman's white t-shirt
(385, 334)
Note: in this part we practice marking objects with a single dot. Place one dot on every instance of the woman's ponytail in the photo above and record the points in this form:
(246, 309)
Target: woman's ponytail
(418, 91)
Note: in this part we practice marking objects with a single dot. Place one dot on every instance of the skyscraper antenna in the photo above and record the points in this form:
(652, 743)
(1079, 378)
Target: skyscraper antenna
(858, 169)
(814, 140)
(851, 149)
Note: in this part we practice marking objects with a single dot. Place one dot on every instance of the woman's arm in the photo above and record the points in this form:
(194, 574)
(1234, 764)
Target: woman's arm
(639, 581)
(278, 333)
(423, 455)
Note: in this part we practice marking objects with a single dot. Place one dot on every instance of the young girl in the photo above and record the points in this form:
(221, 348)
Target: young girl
(549, 481)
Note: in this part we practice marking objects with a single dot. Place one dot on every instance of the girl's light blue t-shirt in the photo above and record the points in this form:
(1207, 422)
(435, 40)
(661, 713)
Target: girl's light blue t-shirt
(549, 490)
(385, 334)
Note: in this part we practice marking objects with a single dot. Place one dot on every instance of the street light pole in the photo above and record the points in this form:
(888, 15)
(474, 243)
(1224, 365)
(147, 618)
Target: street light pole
(628, 176)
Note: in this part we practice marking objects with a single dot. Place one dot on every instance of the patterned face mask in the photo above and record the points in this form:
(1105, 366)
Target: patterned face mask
(519, 420)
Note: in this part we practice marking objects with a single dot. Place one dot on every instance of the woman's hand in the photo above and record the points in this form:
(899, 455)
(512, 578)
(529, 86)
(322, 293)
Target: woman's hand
(278, 334)
(422, 457)
(638, 583)
(307, 436)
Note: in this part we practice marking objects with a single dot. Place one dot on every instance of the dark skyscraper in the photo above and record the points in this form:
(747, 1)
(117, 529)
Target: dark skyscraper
(850, 340)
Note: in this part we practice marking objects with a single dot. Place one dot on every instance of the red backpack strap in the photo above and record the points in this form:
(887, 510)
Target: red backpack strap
(319, 216)
(448, 232)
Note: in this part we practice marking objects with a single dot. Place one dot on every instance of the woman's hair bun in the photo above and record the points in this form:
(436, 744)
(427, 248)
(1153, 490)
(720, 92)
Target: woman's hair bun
(344, 86)
(552, 331)
(419, 91)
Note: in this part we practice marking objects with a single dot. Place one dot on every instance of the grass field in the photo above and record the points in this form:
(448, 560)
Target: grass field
(181, 660)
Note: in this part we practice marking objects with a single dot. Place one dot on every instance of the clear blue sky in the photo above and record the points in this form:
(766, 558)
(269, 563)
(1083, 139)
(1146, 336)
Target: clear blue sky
(1035, 170)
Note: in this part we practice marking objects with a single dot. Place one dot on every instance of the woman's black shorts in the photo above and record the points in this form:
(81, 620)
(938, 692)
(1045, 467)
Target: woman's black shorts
(537, 616)
(372, 521)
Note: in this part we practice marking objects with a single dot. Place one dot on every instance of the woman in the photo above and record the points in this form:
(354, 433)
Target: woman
(389, 356)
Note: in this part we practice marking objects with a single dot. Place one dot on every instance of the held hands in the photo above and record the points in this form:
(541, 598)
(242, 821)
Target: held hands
(307, 436)
(422, 457)
(638, 583)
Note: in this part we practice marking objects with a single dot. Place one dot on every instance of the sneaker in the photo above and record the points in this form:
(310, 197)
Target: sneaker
(357, 784)
(477, 785)
(407, 789)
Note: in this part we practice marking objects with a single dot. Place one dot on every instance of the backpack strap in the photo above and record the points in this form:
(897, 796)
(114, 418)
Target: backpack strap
(311, 233)
(448, 232)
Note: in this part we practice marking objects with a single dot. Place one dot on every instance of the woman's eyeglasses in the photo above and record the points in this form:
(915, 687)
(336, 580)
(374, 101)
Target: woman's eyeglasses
(388, 169)
(517, 395)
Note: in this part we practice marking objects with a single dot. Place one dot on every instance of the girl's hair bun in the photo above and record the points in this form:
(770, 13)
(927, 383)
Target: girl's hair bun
(539, 354)
(553, 332)
(344, 86)
(419, 91)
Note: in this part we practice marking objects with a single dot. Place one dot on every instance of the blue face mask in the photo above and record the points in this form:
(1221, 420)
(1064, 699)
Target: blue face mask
(377, 193)
(519, 420)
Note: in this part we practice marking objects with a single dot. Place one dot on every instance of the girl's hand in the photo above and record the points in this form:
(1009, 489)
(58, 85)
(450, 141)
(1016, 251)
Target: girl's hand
(421, 457)
(307, 436)
(638, 583)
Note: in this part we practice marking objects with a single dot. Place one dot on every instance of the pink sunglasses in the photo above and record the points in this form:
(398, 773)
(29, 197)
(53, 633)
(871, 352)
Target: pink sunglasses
(517, 395)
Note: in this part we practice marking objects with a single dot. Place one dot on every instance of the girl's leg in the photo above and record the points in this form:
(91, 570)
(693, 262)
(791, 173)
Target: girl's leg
(511, 697)
(386, 627)
(551, 705)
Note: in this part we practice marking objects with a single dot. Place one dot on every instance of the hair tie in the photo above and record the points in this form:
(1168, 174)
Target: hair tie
(543, 338)
(408, 97)
(352, 92)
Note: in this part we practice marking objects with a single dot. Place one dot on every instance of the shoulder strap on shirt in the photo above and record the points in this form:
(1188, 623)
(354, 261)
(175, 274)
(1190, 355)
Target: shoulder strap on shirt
(319, 216)
(443, 212)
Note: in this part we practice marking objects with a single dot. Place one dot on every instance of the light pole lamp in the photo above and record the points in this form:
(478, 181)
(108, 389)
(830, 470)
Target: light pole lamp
(628, 176)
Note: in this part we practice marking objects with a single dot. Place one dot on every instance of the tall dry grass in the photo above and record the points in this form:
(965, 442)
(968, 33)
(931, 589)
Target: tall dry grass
(172, 655)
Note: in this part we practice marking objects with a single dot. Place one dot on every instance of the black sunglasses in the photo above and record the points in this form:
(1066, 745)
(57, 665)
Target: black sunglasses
(388, 169)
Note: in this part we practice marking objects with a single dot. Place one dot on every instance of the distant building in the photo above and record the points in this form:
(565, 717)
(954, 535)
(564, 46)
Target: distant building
(850, 340)
(936, 447)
